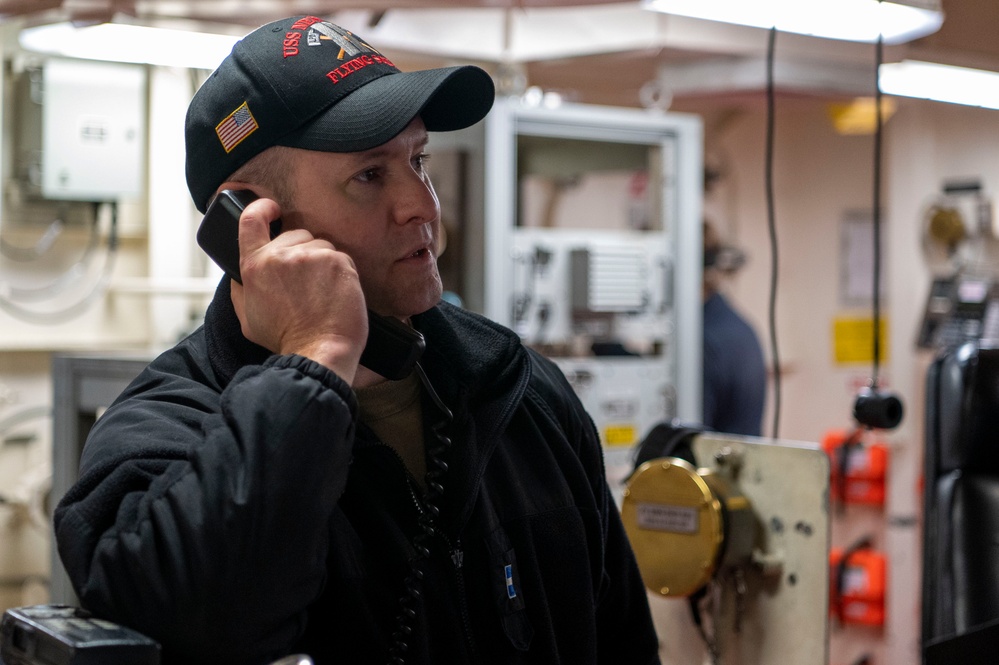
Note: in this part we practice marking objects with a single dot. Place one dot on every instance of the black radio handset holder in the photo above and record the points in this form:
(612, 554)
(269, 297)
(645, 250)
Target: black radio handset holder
(392, 348)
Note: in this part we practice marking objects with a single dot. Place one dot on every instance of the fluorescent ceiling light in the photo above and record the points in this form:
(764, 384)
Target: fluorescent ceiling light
(495, 34)
(941, 83)
(860, 116)
(852, 20)
(118, 42)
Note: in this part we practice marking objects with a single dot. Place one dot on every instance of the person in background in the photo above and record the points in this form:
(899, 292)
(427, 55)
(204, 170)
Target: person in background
(257, 491)
(735, 377)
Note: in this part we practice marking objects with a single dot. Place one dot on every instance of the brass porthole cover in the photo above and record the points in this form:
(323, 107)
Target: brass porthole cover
(675, 524)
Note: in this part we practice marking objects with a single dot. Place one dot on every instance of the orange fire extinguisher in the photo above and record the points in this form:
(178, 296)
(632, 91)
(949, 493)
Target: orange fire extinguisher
(858, 467)
(857, 584)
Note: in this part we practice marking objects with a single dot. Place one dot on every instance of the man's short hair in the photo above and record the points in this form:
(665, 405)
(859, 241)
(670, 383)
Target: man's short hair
(271, 168)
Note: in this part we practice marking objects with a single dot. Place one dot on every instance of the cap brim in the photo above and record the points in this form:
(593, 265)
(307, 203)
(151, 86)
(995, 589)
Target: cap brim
(446, 99)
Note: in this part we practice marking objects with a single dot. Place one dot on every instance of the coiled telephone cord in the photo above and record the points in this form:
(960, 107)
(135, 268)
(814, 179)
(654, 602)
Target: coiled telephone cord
(436, 470)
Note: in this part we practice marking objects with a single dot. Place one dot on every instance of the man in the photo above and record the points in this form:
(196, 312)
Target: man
(735, 378)
(257, 492)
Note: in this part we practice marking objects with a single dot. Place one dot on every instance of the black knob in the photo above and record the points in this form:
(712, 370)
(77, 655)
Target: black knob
(877, 409)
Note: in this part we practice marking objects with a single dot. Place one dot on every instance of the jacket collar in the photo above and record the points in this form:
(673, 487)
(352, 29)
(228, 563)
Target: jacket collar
(479, 368)
(466, 353)
(228, 350)
(463, 348)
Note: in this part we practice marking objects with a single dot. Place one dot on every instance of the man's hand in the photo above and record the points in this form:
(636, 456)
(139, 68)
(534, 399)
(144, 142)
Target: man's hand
(299, 294)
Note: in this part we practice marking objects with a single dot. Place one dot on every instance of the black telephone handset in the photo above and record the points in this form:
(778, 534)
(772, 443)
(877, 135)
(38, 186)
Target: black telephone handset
(392, 349)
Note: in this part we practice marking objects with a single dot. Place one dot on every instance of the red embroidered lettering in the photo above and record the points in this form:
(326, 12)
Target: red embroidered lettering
(291, 40)
(344, 70)
(351, 66)
(303, 23)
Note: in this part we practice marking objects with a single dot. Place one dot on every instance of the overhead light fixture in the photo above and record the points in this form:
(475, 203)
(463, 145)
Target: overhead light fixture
(859, 116)
(120, 42)
(897, 21)
(941, 83)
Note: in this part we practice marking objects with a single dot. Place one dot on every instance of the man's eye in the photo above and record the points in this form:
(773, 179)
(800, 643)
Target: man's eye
(421, 160)
(368, 175)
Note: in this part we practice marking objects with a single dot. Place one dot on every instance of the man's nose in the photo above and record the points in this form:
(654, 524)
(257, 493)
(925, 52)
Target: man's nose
(418, 201)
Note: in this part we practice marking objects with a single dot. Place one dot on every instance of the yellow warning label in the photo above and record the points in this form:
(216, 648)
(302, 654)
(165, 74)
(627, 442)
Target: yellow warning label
(853, 340)
(619, 435)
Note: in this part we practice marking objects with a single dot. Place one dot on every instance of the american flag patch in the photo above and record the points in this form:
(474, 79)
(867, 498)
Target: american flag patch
(236, 127)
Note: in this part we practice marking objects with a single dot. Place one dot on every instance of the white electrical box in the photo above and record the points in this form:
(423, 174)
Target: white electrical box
(93, 130)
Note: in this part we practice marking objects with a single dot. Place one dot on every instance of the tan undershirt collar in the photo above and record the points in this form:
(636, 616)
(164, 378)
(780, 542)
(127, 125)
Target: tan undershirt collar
(393, 410)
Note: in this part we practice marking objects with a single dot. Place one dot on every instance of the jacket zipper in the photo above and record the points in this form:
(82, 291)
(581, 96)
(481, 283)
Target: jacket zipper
(458, 562)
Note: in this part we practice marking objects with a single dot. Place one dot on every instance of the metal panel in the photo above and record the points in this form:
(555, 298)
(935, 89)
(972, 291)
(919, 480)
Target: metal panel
(674, 236)
(83, 386)
(785, 616)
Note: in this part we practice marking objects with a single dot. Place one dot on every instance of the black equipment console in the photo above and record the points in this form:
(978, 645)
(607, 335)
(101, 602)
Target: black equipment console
(64, 635)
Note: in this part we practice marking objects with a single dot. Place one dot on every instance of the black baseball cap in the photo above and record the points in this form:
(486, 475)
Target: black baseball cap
(304, 82)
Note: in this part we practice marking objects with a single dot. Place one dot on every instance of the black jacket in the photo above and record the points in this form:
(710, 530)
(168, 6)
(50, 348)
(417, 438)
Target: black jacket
(230, 506)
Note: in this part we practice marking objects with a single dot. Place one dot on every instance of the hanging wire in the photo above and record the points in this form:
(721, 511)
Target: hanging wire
(873, 408)
(772, 225)
(876, 213)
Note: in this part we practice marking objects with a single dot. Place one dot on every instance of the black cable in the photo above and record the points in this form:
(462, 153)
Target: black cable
(427, 523)
(694, 601)
(876, 218)
(874, 408)
(772, 225)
